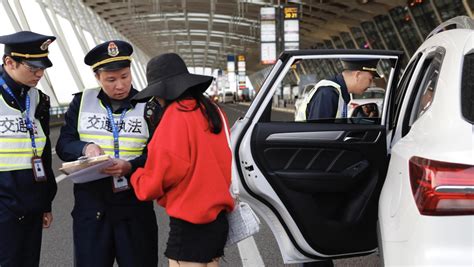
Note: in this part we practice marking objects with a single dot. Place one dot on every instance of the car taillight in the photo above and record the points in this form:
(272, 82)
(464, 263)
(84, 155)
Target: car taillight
(442, 188)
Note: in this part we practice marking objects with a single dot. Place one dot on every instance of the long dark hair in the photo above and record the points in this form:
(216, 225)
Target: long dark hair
(207, 107)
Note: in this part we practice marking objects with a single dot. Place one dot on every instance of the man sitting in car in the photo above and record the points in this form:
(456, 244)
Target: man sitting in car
(329, 98)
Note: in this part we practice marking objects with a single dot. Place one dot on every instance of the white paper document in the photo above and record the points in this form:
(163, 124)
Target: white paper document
(91, 173)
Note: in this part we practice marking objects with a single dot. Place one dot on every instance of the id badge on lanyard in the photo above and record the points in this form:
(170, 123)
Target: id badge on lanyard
(119, 184)
(38, 169)
(36, 161)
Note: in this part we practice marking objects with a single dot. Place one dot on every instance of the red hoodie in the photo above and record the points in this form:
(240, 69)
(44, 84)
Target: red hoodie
(188, 169)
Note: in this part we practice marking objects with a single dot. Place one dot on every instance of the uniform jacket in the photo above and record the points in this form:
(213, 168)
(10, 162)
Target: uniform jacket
(324, 103)
(97, 198)
(19, 192)
(188, 168)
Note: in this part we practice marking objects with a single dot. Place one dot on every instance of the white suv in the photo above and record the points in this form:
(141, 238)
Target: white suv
(402, 183)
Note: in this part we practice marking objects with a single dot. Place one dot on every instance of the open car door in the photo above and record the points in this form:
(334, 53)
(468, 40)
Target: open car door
(315, 183)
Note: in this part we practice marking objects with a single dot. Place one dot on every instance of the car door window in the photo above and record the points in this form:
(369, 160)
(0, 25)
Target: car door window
(400, 92)
(467, 94)
(301, 77)
(424, 90)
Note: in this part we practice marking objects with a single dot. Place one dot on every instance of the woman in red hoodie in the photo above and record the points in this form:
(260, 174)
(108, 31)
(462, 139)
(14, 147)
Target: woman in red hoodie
(188, 170)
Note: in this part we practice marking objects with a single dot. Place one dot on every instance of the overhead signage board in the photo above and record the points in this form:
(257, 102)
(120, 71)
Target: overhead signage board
(268, 53)
(230, 63)
(267, 13)
(268, 35)
(292, 32)
(291, 28)
(241, 71)
(267, 31)
(290, 12)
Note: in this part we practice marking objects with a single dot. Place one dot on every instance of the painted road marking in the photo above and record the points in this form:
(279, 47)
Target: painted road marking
(249, 253)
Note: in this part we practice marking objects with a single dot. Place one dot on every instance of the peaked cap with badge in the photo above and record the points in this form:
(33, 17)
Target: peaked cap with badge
(110, 55)
(362, 64)
(28, 46)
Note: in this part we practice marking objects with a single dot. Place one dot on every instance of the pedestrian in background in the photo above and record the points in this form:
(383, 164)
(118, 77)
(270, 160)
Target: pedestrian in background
(188, 169)
(27, 182)
(109, 222)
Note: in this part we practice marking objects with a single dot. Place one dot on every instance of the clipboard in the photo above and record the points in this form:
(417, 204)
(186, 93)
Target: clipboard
(86, 170)
(82, 163)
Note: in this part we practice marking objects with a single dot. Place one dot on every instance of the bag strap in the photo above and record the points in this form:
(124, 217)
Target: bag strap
(234, 183)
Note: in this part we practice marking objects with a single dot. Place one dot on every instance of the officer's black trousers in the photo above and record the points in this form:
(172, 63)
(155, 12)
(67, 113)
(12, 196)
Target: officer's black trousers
(20, 239)
(99, 239)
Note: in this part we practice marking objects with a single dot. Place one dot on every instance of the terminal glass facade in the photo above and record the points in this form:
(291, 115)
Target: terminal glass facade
(347, 39)
(328, 44)
(359, 37)
(449, 8)
(372, 35)
(406, 28)
(338, 42)
(388, 32)
(424, 17)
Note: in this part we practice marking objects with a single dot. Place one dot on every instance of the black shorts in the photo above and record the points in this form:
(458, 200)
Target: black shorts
(197, 242)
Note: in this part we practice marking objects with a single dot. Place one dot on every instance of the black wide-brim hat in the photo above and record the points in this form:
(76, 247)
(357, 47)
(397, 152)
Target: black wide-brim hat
(29, 47)
(168, 78)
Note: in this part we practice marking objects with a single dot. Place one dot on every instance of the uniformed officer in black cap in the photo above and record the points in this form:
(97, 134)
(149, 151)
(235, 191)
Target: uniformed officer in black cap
(329, 98)
(27, 182)
(109, 222)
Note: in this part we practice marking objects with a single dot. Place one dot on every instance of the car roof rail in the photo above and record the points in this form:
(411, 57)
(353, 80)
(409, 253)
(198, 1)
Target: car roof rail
(460, 22)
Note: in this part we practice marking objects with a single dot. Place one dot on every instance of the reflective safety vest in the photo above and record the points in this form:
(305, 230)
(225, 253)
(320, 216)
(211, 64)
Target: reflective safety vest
(301, 111)
(16, 149)
(93, 126)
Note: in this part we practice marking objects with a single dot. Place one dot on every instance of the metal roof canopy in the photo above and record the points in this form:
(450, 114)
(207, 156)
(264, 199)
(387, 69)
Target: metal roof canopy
(203, 32)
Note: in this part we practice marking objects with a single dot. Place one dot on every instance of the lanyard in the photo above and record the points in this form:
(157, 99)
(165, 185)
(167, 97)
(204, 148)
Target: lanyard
(344, 110)
(29, 124)
(115, 129)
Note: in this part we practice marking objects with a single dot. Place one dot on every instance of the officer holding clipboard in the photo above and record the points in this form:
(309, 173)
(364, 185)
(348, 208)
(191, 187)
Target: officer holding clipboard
(109, 222)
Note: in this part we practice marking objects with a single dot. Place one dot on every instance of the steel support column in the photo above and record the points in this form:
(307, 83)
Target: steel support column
(468, 8)
(57, 31)
(415, 24)
(436, 12)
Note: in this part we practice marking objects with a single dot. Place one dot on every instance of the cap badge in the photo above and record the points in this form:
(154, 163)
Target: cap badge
(44, 46)
(112, 50)
(369, 69)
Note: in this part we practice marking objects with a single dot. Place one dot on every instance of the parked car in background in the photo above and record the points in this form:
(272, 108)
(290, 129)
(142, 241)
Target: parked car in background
(226, 97)
(401, 184)
(371, 95)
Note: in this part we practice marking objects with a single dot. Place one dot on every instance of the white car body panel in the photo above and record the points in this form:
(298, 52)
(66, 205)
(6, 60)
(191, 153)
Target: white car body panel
(409, 238)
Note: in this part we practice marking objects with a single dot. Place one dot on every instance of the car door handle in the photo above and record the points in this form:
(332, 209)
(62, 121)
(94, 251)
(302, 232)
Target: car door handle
(352, 138)
(355, 136)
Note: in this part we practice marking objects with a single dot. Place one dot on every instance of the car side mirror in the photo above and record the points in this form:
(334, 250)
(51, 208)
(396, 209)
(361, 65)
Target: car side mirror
(369, 110)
